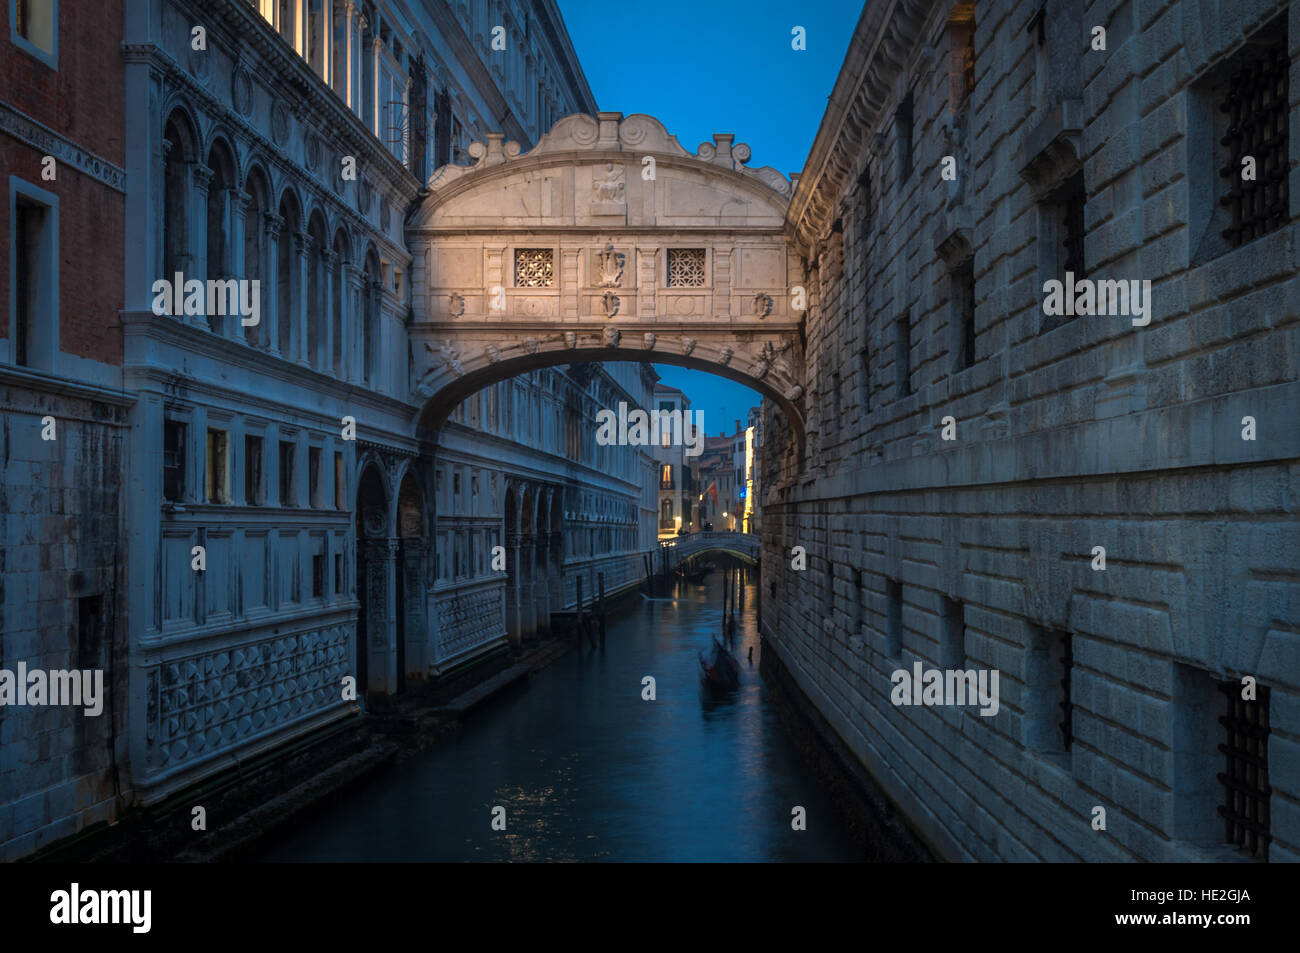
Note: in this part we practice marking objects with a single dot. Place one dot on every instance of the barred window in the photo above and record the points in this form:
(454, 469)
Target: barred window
(1255, 103)
(685, 267)
(1246, 791)
(1072, 226)
(534, 267)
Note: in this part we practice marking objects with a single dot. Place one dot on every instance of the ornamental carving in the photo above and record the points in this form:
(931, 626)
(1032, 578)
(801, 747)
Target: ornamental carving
(608, 185)
(609, 303)
(609, 268)
(241, 90)
(280, 123)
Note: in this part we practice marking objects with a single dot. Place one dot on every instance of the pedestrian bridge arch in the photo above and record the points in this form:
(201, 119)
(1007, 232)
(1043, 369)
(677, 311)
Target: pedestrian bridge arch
(745, 547)
(606, 242)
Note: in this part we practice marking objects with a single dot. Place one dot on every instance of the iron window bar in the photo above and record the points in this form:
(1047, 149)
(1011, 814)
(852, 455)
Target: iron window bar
(1256, 103)
(1067, 708)
(1246, 790)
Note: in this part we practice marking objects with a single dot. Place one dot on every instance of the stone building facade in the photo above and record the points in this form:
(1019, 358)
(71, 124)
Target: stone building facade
(63, 438)
(1111, 153)
(237, 516)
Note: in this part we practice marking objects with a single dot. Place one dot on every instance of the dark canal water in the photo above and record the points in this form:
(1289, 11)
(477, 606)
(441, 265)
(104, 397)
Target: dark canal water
(587, 770)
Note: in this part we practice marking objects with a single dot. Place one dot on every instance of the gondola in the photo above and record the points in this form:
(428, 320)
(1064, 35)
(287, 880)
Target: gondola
(721, 673)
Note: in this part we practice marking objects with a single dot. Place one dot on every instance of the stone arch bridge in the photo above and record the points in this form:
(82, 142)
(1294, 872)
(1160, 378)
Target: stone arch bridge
(606, 242)
(745, 547)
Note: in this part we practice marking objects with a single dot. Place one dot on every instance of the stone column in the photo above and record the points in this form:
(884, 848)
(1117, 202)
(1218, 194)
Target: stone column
(201, 181)
(302, 247)
(236, 202)
(343, 70)
(414, 567)
(543, 585)
(528, 590)
(381, 620)
(270, 330)
(513, 586)
(376, 120)
(353, 324)
(329, 261)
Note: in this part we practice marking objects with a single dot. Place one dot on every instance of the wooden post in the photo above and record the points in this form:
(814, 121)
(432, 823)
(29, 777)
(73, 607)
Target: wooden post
(601, 579)
(578, 620)
(725, 580)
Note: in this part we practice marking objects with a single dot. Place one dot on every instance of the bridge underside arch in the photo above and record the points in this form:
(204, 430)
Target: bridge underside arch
(736, 554)
(445, 388)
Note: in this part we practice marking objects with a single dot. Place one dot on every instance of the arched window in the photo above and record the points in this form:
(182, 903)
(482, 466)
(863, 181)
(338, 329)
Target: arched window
(176, 197)
(666, 512)
(221, 194)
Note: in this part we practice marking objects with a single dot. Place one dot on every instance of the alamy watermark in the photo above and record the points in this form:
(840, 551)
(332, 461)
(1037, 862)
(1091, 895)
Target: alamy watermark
(215, 297)
(1105, 297)
(951, 687)
(84, 688)
(651, 428)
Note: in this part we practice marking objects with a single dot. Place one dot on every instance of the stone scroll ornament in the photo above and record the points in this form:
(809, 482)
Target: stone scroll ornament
(763, 304)
(610, 302)
(609, 264)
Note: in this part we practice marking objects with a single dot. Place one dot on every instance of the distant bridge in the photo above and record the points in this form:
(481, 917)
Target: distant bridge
(743, 546)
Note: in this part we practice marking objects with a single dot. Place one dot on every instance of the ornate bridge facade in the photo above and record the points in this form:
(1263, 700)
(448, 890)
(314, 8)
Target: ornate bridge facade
(607, 241)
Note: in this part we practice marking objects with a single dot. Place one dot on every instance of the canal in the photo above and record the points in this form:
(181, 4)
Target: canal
(588, 770)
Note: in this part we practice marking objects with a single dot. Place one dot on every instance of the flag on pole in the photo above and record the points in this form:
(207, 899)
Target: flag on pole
(713, 492)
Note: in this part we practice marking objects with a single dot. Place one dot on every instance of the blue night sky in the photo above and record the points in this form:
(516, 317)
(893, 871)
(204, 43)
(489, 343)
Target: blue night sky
(709, 66)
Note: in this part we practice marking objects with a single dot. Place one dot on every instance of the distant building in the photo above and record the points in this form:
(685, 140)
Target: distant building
(675, 479)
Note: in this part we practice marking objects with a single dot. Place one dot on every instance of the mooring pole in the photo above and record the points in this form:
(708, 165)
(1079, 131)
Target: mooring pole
(725, 580)
(577, 616)
(600, 577)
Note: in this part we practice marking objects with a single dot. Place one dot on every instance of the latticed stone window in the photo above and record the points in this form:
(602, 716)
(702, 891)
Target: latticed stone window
(685, 267)
(534, 267)
(1255, 103)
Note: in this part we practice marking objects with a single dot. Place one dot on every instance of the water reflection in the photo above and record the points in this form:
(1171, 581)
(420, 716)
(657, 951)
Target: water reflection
(588, 770)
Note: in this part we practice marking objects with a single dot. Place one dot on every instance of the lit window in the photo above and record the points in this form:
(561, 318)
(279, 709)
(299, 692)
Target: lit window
(216, 488)
(35, 28)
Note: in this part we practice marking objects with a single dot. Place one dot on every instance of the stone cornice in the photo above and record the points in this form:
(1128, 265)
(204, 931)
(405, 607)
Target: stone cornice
(886, 33)
(64, 150)
(41, 382)
(266, 147)
(246, 28)
(199, 340)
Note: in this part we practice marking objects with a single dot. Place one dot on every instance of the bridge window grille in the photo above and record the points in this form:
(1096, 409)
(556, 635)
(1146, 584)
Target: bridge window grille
(685, 267)
(1246, 791)
(1256, 104)
(534, 267)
